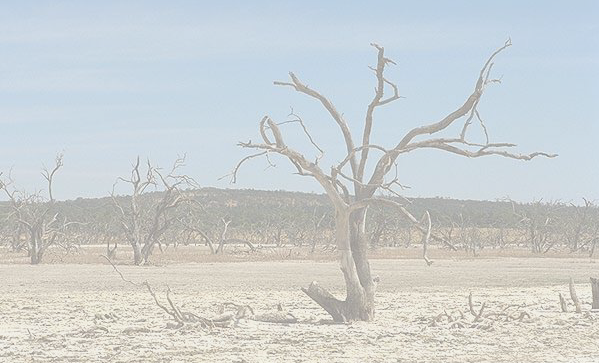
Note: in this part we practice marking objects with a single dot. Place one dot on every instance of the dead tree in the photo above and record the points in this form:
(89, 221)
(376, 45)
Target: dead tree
(147, 216)
(37, 215)
(595, 292)
(380, 223)
(581, 228)
(538, 221)
(11, 232)
(216, 244)
(109, 237)
(574, 296)
(223, 236)
(496, 236)
(467, 233)
(297, 232)
(276, 228)
(317, 223)
(14, 232)
(351, 191)
(406, 236)
(448, 226)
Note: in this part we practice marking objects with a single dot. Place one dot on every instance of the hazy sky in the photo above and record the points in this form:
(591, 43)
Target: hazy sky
(106, 81)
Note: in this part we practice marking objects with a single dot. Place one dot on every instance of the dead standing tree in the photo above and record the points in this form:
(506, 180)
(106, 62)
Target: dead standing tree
(13, 234)
(147, 217)
(38, 216)
(216, 237)
(351, 206)
(581, 228)
(539, 224)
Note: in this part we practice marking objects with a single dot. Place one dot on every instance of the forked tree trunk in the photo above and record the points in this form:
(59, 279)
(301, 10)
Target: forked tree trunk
(360, 287)
(595, 290)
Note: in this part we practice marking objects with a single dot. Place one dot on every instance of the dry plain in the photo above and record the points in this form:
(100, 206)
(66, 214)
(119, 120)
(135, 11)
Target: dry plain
(87, 313)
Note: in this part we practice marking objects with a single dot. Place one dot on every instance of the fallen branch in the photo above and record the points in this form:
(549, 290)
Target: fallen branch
(480, 319)
(480, 312)
(223, 319)
(119, 272)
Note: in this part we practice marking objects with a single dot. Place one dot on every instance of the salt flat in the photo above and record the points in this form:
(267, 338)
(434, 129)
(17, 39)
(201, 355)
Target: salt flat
(86, 313)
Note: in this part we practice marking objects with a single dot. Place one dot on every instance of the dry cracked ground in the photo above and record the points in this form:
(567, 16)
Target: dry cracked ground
(87, 313)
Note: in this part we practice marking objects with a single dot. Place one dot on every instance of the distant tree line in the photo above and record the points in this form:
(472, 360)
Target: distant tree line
(251, 218)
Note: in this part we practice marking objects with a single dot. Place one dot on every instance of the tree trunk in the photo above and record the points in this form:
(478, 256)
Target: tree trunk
(110, 252)
(574, 297)
(146, 251)
(595, 290)
(360, 287)
(137, 254)
(35, 251)
(36, 257)
(221, 247)
(313, 248)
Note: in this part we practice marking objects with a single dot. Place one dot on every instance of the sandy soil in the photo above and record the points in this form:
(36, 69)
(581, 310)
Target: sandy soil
(57, 313)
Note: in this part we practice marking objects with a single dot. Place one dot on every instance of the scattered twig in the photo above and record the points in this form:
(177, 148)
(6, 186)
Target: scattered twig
(480, 319)
(223, 319)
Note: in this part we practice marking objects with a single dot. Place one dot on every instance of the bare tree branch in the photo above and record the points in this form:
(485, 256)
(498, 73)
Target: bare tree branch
(376, 102)
(328, 105)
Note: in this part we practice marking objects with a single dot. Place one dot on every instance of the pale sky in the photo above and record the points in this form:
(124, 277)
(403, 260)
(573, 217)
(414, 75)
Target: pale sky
(106, 81)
